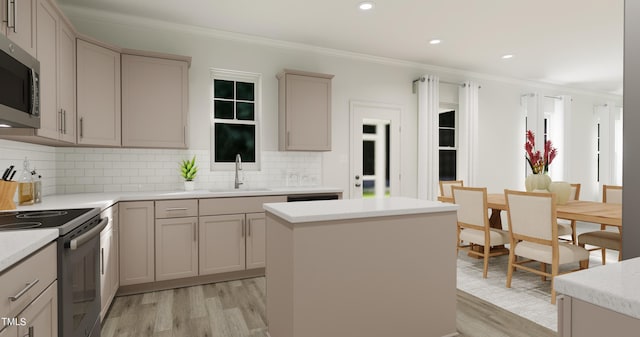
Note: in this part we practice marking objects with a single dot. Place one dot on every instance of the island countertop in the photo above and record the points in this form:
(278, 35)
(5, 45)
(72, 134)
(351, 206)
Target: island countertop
(327, 210)
(613, 286)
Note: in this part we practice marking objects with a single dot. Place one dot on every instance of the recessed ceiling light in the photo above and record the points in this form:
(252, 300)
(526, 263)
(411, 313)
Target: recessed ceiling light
(435, 41)
(365, 6)
(507, 56)
(5, 126)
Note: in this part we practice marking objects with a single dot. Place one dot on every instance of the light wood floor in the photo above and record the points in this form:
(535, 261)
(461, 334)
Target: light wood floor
(237, 309)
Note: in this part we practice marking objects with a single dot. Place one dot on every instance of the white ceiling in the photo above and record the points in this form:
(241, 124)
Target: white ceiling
(578, 43)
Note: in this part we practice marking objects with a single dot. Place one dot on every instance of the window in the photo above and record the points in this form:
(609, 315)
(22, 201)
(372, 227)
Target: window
(235, 117)
(448, 144)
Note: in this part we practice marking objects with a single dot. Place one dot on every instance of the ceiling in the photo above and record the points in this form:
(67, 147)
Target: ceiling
(578, 43)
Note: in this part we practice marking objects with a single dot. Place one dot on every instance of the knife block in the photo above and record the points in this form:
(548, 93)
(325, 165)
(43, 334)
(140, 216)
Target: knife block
(7, 192)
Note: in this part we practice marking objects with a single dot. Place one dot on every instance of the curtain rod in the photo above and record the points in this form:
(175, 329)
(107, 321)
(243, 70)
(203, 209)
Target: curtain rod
(422, 79)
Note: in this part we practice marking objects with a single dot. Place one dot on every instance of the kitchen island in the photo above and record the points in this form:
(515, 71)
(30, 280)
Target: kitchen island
(600, 301)
(361, 267)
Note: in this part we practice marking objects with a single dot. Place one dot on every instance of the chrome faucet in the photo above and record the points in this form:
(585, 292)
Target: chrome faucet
(238, 168)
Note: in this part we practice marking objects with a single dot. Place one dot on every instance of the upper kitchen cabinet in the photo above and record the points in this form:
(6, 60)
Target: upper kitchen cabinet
(304, 104)
(155, 101)
(19, 23)
(56, 52)
(98, 81)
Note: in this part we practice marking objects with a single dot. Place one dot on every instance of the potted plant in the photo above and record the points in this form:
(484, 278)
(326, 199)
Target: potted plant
(188, 170)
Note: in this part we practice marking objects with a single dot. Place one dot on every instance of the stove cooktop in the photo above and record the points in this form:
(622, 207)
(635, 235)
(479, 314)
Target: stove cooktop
(63, 219)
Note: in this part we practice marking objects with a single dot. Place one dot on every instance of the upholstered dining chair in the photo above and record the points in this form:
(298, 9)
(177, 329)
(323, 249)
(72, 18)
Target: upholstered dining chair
(473, 224)
(533, 232)
(605, 239)
(568, 227)
(445, 187)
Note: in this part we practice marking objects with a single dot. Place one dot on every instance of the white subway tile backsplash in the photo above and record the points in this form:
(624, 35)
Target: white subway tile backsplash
(78, 170)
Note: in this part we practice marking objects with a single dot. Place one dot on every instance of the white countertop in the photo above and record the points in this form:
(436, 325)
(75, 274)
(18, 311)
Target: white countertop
(105, 200)
(613, 286)
(16, 245)
(300, 212)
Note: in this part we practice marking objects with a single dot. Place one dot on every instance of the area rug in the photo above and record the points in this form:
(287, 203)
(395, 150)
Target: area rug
(528, 297)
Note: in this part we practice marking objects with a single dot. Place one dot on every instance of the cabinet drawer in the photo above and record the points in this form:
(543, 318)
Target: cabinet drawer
(220, 206)
(176, 208)
(19, 280)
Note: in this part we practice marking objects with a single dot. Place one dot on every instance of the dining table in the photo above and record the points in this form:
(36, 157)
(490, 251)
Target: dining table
(576, 210)
(579, 210)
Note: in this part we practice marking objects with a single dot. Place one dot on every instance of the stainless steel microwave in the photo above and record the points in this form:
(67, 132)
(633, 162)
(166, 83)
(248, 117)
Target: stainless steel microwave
(19, 87)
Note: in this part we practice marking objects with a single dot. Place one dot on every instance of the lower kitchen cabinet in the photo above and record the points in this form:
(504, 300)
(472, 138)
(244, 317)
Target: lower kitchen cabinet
(136, 239)
(256, 240)
(41, 315)
(222, 243)
(176, 248)
(109, 268)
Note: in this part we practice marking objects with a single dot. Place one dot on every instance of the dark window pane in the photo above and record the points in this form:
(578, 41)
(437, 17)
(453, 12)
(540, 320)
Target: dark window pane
(244, 111)
(447, 165)
(448, 119)
(447, 137)
(244, 91)
(223, 89)
(368, 129)
(231, 139)
(223, 109)
(368, 157)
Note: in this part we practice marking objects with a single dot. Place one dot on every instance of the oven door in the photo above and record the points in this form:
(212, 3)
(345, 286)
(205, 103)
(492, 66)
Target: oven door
(79, 281)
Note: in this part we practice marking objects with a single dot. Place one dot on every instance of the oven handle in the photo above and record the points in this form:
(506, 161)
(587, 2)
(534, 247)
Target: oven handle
(82, 239)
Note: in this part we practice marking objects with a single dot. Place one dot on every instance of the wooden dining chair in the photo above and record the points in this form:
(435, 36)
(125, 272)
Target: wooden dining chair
(445, 187)
(568, 227)
(473, 224)
(605, 239)
(533, 232)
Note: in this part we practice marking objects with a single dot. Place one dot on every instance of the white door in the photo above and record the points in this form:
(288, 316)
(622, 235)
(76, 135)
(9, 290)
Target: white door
(375, 150)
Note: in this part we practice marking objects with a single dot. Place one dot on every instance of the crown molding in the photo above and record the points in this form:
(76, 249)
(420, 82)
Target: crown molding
(78, 13)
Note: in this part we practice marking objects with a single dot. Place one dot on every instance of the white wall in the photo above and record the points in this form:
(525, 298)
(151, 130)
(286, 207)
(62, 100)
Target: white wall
(356, 78)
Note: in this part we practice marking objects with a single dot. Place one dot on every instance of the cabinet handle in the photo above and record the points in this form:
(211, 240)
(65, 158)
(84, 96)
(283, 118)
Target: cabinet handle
(195, 232)
(64, 121)
(31, 333)
(12, 23)
(60, 120)
(23, 291)
(101, 261)
(81, 126)
(242, 227)
(170, 209)
(184, 135)
(248, 228)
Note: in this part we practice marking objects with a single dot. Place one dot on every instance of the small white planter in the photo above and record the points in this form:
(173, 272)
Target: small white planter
(189, 185)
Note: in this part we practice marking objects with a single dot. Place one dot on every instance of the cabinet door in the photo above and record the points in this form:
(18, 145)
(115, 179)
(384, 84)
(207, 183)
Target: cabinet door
(256, 239)
(42, 314)
(22, 16)
(98, 95)
(176, 248)
(67, 82)
(47, 54)
(10, 331)
(154, 91)
(307, 112)
(136, 239)
(222, 246)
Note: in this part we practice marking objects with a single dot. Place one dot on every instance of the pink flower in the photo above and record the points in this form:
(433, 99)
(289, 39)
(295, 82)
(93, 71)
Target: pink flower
(539, 163)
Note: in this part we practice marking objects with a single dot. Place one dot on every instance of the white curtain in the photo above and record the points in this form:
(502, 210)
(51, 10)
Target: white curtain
(468, 133)
(428, 138)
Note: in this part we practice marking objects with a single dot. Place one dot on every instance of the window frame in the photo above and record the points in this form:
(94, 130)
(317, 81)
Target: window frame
(448, 107)
(236, 76)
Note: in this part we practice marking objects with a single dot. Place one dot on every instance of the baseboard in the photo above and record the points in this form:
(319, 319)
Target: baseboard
(188, 282)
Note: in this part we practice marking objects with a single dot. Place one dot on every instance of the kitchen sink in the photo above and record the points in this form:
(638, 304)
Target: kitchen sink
(241, 190)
